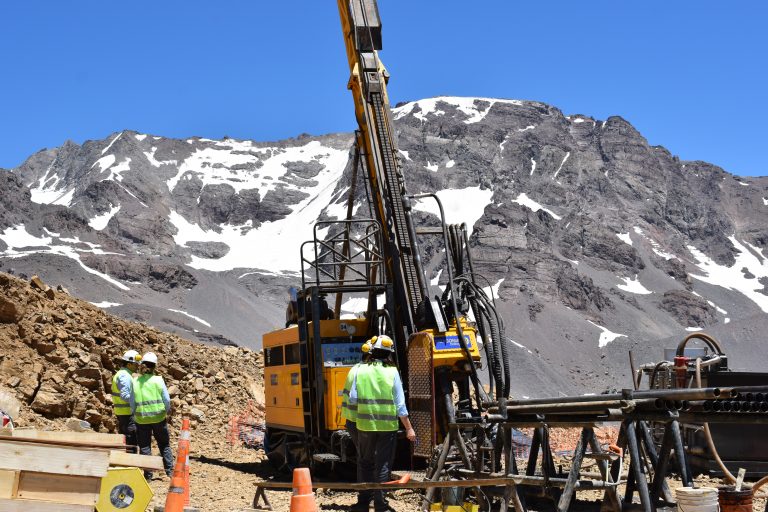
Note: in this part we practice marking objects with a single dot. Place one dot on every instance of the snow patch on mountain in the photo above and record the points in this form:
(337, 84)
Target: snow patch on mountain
(732, 278)
(193, 317)
(104, 162)
(228, 163)
(460, 205)
(606, 336)
(100, 222)
(110, 144)
(150, 156)
(467, 106)
(565, 159)
(633, 286)
(524, 200)
(624, 237)
(655, 246)
(17, 238)
(47, 191)
(291, 231)
(116, 171)
(106, 304)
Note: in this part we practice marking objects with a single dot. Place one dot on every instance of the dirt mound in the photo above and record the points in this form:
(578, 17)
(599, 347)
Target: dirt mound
(58, 355)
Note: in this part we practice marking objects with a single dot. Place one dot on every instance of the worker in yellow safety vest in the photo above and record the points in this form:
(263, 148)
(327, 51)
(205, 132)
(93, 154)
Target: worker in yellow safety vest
(373, 399)
(152, 405)
(123, 397)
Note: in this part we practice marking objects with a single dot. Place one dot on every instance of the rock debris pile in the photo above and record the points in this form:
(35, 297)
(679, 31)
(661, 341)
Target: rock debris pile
(58, 355)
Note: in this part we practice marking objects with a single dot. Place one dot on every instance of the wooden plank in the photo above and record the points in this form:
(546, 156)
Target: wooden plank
(40, 506)
(133, 460)
(97, 439)
(9, 483)
(42, 458)
(67, 489)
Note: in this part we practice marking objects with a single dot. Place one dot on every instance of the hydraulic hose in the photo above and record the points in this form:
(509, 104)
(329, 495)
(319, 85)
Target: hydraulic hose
(492, 357)
(497, 329)
(706, 338)
(707, 434)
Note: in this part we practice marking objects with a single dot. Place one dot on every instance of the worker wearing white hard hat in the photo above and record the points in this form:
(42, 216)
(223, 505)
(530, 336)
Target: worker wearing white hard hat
(376, 396)
(152, 406)
(123, 397)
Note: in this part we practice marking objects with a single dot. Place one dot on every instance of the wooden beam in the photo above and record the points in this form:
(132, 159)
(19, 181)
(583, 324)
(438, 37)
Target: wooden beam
(9, 483)
(40, 506)
(61, 460)
(66, 489)
(132, 460)
(97, 439)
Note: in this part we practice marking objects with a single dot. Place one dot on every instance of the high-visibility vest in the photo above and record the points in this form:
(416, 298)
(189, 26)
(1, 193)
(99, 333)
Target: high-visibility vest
(148, 394)
(376, 409)
(349, 411)
(120, 406)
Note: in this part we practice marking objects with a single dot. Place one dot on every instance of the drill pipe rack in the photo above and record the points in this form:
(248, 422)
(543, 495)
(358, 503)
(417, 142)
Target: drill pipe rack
(469, 451)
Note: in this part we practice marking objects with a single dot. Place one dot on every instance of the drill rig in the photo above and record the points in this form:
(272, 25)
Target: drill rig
(438, 348)
(443, 337)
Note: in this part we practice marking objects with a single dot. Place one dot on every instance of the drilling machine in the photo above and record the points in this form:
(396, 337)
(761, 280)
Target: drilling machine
(442, 339)
(438, 348)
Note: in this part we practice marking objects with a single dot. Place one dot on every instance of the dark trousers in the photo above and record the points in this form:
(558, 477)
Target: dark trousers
(160, 432)
(375, 455)
(127, 427)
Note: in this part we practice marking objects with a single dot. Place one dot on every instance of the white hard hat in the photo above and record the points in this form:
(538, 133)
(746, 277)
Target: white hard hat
(381, 341)
(131, 357)
(149, 357)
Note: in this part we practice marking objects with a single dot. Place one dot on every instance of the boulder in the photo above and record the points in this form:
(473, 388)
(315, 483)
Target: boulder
(196, 414)
(52, 403)
(78, 425)
(10, 311)
(89, 378)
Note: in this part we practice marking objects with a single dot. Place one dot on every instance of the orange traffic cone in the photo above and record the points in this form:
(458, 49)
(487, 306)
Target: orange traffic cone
(179, 488)
(303, 499)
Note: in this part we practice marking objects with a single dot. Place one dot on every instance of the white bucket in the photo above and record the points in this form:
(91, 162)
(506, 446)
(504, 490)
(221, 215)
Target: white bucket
(700, 499)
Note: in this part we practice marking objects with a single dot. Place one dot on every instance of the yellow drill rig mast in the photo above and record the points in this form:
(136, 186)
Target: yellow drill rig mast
(438, 348)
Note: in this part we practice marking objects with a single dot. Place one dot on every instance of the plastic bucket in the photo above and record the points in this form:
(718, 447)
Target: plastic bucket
(732, 500)
(700, 499)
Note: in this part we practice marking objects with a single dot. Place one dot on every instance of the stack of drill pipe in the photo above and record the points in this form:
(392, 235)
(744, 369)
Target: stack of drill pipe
(688, 405)
(733, 406)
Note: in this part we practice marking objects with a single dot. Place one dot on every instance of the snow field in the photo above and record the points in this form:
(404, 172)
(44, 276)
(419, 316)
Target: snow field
(465, 105)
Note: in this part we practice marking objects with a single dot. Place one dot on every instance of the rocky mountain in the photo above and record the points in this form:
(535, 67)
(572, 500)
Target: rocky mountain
(595, 241)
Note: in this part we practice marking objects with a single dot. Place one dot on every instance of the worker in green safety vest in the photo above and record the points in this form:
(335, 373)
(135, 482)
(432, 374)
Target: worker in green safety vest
(123, 398)
(152, 405)
(375, 401)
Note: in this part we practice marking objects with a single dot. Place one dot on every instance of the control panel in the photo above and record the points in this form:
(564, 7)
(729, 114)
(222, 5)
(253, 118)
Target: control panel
(341, 354)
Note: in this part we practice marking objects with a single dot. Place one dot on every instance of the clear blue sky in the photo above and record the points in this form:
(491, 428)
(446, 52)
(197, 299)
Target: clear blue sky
(690, 75)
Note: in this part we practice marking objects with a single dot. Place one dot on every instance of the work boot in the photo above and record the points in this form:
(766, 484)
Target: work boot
(383, 507)
(360, 506)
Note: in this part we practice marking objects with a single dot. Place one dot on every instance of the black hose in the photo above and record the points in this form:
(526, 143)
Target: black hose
(706, 338)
